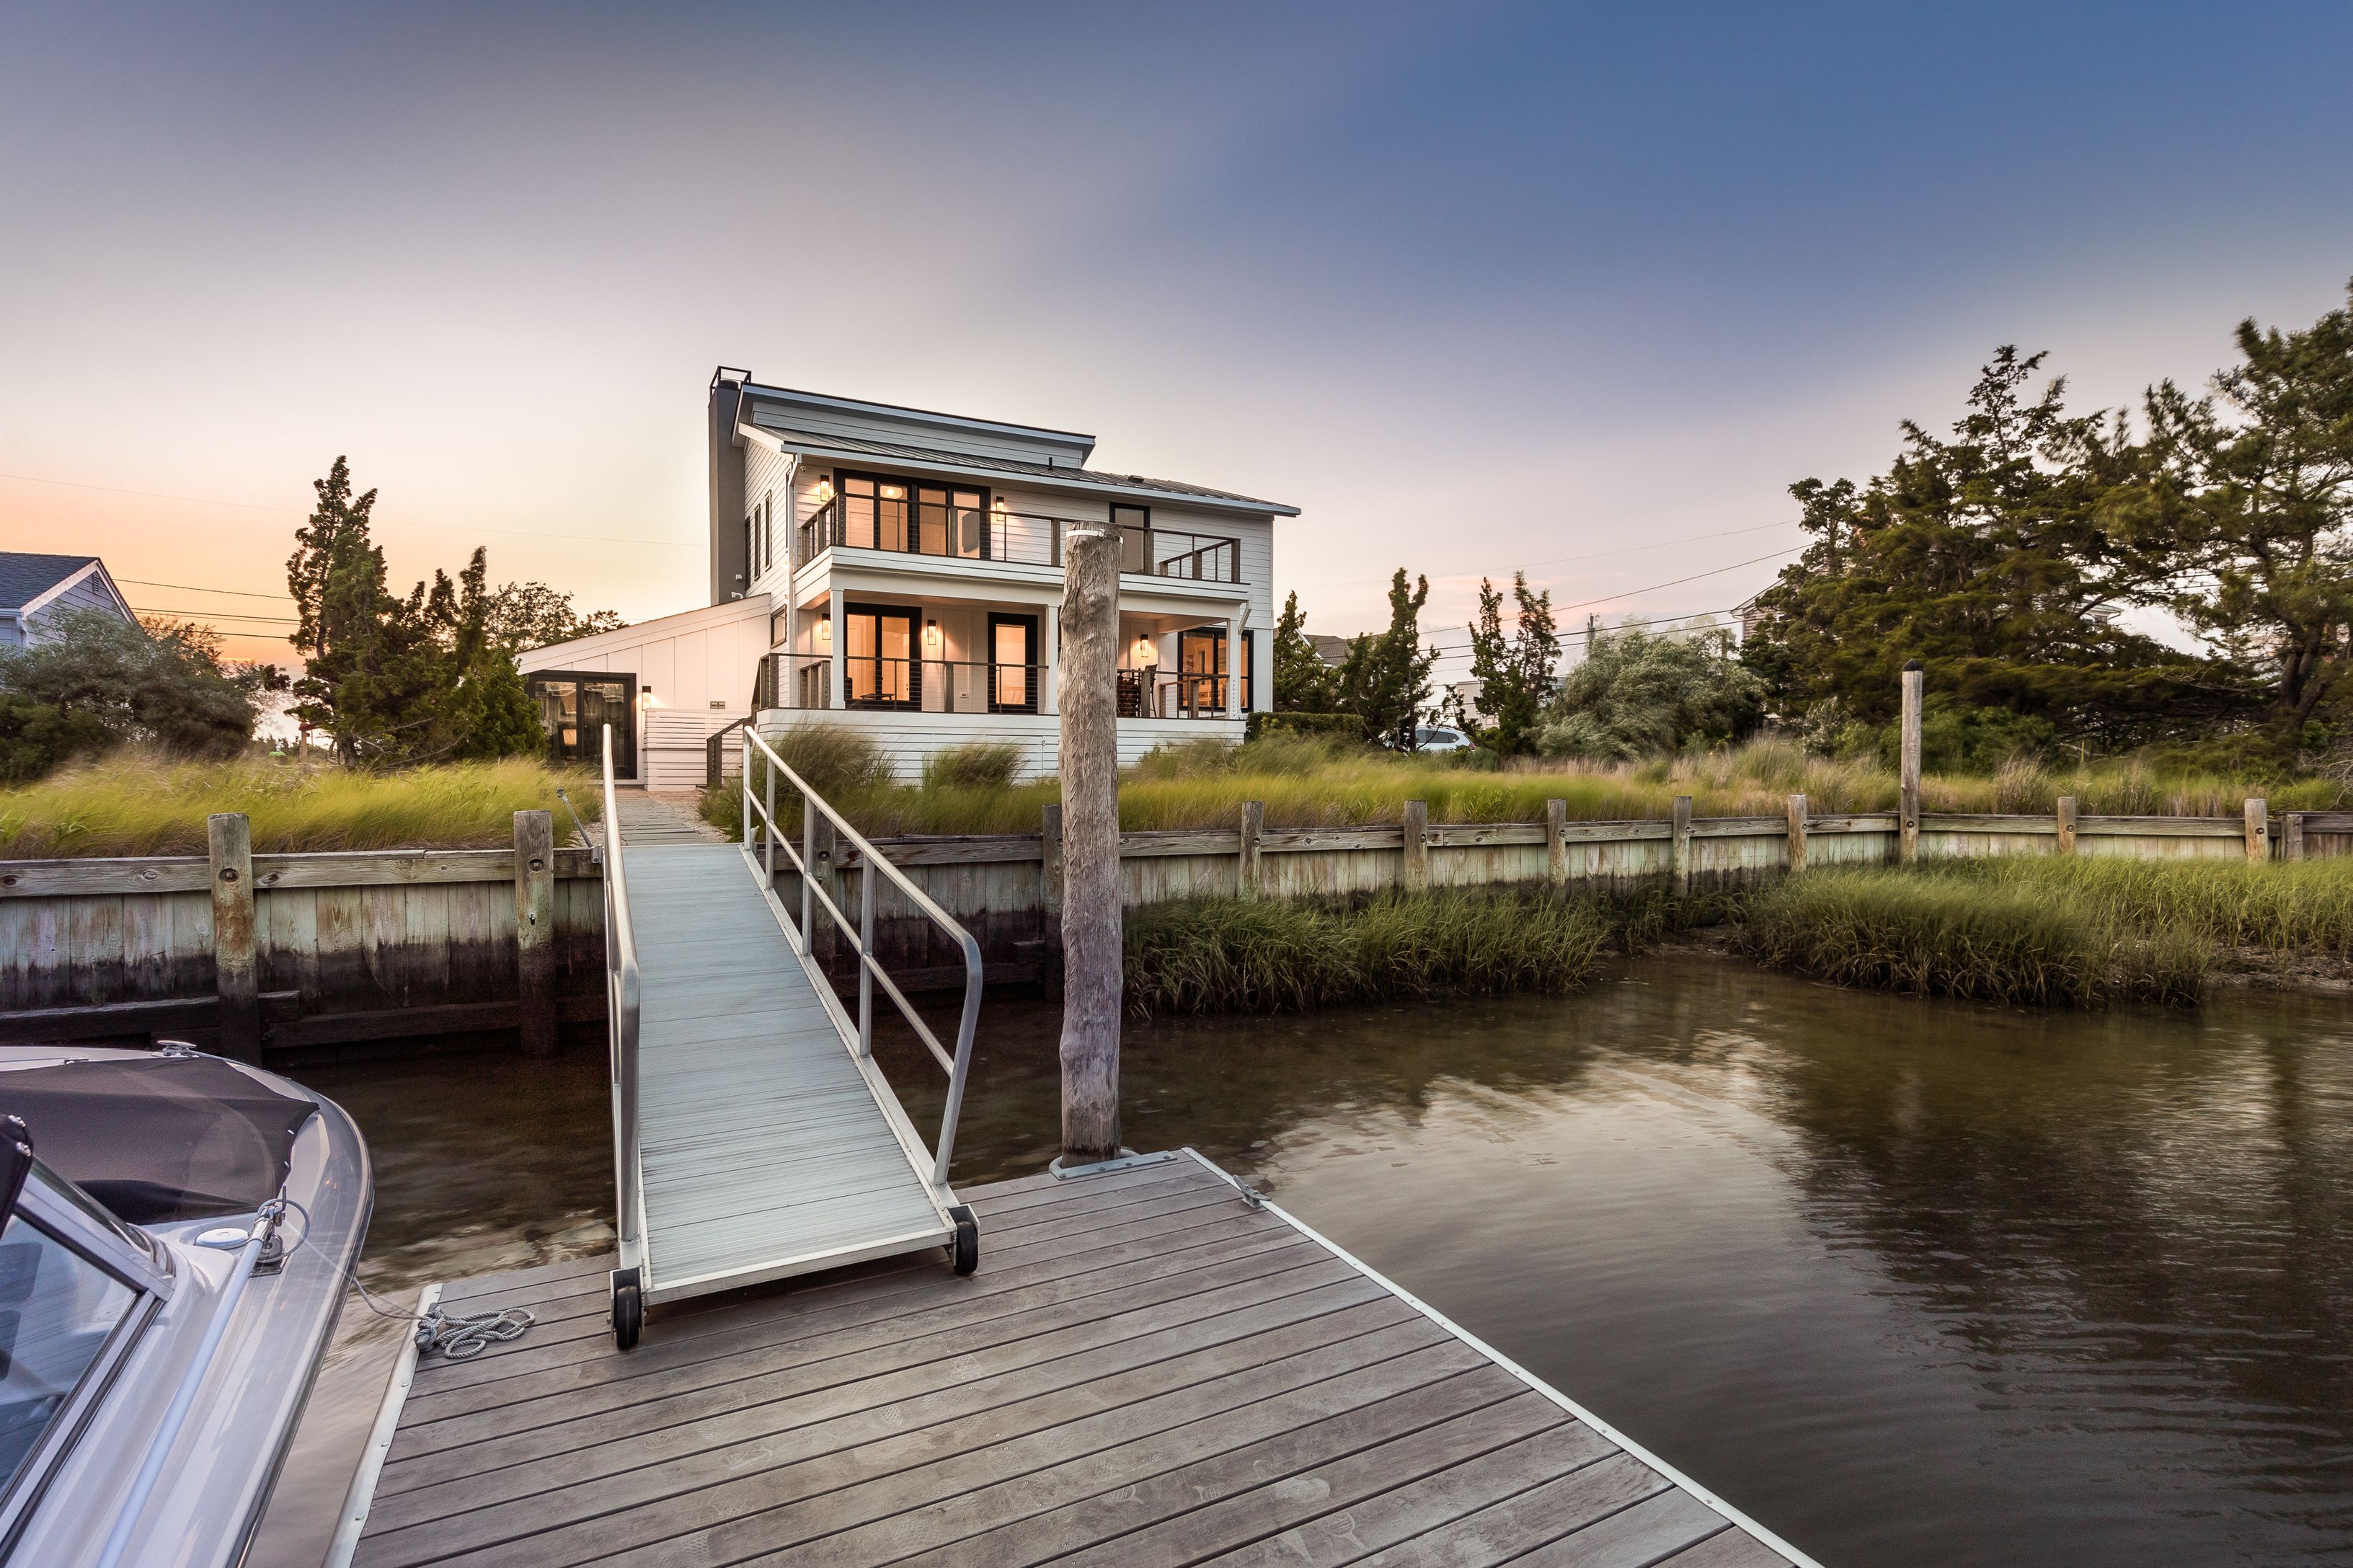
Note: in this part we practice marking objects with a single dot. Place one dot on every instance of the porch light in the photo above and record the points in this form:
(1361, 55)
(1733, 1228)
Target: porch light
(646, 699)
(1145, 654)
(824, 490)
(824, 631)
(932, 635)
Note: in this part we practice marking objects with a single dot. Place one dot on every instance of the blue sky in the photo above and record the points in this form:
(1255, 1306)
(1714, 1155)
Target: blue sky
(1475, 286)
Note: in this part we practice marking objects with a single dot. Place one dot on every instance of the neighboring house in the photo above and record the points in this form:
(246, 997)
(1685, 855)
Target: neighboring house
(34, 589)
(900, 571)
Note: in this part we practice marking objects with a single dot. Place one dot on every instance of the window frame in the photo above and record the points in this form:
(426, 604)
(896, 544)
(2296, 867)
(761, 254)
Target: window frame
(71, 1218)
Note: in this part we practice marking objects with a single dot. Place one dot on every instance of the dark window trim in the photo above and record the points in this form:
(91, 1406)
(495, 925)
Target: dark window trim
(625, 755)
(915, 616)
(1029, 676)
(914, 522)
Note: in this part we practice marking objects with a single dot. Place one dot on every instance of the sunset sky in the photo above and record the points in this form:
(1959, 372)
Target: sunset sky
(1475, 286)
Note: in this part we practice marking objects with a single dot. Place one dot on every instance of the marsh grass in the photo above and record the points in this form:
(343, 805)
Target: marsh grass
(1218, 955)
(129, 803)
(1310, 783)
(1991, 938)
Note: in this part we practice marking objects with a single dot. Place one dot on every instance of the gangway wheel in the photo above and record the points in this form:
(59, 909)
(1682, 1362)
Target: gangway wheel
(964, 1250)
(629, 1315)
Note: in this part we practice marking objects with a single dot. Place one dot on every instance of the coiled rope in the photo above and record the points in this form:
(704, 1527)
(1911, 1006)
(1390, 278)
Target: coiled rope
(457, 1336)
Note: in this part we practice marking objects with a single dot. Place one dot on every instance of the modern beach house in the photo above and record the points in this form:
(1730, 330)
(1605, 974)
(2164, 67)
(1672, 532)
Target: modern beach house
(900, 571)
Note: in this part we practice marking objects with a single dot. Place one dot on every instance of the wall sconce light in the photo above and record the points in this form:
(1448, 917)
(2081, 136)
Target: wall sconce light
(648, 700)
(1145, 655)
(932, 635)
(824, 490)
(824, 631)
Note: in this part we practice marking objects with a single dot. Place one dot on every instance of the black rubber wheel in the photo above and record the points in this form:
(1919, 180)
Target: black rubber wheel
(965, 1251)
(629, 1316)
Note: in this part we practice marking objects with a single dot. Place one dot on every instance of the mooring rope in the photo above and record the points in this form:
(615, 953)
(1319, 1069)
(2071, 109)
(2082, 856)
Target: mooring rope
(456, 1335)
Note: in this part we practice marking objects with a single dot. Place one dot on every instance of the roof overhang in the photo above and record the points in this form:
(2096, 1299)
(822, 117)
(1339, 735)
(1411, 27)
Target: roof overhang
(899, 415)
(954, 465)
(96, 569)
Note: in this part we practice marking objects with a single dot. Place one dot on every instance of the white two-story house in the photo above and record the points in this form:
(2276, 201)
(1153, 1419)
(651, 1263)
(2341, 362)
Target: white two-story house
(900, 571)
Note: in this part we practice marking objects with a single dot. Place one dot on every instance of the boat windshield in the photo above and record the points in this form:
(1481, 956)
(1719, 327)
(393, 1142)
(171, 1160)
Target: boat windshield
(57, 1308)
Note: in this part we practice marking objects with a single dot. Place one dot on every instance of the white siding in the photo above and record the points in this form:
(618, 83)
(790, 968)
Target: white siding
(689, 661)
(906, 739)
(766, 479)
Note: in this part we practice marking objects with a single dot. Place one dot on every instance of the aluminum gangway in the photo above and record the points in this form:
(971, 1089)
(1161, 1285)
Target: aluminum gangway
(753, 1136)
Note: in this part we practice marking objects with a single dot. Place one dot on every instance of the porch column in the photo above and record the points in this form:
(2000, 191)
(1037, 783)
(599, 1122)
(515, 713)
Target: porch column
(1234, 660)
(840, 692)
(1050, 632)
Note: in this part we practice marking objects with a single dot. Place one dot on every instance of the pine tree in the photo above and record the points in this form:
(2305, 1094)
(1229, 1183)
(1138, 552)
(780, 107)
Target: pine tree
(1304, 683)
(1516, 672)
(1386, 680)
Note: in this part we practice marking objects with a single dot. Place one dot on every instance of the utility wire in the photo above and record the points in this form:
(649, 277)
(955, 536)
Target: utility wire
(1557, 560)
(196, 588)
(296, 512)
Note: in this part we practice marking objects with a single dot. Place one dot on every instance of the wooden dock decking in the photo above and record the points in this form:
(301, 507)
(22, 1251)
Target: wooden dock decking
(1148, 1370)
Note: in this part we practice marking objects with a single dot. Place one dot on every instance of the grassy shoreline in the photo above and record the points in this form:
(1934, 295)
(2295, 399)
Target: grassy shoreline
(1309, 784)
(127, 804)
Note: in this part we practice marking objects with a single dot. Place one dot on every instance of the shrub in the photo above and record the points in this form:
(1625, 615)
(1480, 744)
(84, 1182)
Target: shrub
(975, 764)
(1344, 727)
(35, 738)
(162, 685)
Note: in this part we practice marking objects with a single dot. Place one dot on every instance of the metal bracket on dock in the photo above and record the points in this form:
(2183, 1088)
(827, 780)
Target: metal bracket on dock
(1128, 1160)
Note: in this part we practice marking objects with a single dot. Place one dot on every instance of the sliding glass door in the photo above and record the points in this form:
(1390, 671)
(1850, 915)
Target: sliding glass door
(879, 658)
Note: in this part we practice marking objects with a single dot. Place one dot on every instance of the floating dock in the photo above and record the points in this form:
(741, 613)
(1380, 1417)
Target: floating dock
(1152, 1367)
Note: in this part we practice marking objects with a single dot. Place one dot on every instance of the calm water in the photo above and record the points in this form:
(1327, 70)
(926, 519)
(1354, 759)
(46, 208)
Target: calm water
(1911, 1282)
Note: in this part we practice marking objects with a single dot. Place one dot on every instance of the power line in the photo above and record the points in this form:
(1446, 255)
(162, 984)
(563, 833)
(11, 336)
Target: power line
(1557, 560)
(292, 511)
(208, 616)
(197, 588)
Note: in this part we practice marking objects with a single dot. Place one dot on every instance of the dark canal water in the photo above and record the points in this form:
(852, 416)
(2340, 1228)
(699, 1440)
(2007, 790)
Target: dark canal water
(1910, 1282)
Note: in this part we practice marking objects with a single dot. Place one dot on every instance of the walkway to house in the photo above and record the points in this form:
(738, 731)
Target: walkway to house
(662, 817)
(1150, 1369)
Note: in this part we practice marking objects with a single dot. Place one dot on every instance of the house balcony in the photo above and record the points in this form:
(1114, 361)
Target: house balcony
(971, 686)
(978, 535)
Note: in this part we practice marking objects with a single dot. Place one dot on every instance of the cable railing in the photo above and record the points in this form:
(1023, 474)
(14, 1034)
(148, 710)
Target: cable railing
(621, 991)
(1157, 693)
(1031, 538)
(762, 806)
(920, 685)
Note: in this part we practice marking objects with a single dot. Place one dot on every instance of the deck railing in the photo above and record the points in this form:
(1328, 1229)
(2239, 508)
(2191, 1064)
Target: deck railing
(621, 989)
(760, 811)
(977, 686)
(1032, 539)
(1171, 694)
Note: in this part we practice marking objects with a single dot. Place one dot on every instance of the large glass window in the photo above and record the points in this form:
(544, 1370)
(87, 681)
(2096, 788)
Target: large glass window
(879, 658)
(57, 1310)
(918, 519)
(574, 708)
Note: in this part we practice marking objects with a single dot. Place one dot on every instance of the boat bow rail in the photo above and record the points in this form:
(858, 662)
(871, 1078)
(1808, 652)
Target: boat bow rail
(753, 1135)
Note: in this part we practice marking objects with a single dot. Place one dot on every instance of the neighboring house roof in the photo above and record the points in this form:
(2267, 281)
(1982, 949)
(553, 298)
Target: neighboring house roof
(27, 579)
(831, 445)
(1329, 648)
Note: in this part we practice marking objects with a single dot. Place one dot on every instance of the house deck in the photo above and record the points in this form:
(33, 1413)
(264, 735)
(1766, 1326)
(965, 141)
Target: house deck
(1149, 1369)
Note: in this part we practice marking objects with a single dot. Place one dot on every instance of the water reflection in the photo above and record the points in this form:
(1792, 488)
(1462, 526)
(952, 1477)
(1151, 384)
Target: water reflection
(1914, 1282)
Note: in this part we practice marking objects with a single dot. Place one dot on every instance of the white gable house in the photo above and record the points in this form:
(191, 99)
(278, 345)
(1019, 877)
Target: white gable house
(900, 571)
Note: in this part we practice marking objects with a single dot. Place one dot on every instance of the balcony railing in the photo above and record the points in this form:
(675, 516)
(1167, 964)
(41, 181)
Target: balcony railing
(920, 685)
(973, 686)
(1024, 538)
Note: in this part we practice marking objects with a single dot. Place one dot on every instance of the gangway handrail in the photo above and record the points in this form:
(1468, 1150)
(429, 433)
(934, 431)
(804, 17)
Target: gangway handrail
(958, 1064)
(621, 993)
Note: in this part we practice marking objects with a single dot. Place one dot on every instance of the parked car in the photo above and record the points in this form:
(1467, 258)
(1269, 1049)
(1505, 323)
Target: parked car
(1440, 738)
(161, 1318)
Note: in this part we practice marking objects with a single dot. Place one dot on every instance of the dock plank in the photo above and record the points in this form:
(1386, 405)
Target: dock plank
(1146, 1370)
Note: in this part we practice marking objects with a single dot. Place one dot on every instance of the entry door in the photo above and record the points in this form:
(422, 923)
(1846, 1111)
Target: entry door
(1013, 664)
(879, 657)
(1201, 661)
(573, 708)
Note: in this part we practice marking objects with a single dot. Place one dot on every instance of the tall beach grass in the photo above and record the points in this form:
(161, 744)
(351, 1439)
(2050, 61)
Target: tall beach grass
(129, 803)
(1305, 782)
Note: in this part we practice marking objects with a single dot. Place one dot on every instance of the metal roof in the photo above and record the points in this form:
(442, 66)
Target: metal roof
(24, 577)
(1082, 479)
